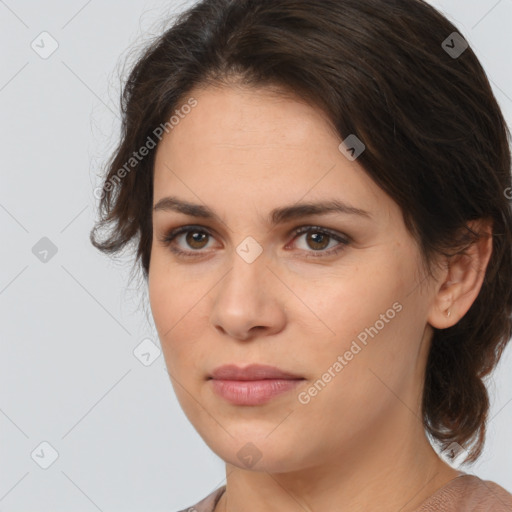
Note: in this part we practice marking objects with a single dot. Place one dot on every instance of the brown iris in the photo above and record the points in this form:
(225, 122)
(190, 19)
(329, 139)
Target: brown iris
(318, 238)
(196, 237)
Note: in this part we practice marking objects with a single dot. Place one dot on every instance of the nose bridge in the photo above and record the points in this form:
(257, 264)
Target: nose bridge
(249, 250)
(248, 267)
(251, 242)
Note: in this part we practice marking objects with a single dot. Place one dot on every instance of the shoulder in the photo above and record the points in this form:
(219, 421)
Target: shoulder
(469, 493)
(206, 504)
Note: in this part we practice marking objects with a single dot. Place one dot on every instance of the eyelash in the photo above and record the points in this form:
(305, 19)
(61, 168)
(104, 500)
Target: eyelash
(168, 238)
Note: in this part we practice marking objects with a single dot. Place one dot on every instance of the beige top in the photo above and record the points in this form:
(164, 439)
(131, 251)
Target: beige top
(465, 493)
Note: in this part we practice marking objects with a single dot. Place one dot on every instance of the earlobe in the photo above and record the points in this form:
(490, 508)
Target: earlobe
(441, 315)
(462, 280)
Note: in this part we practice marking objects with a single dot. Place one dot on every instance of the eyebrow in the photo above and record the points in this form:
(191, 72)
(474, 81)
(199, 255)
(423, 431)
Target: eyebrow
(276, 216)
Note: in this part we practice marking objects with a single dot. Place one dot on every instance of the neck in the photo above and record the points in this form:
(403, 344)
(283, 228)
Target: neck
(392, 468)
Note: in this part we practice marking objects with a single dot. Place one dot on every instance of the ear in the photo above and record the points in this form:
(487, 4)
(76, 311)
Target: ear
(462, 279)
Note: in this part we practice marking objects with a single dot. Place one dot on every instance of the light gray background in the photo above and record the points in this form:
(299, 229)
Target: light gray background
(68, 327)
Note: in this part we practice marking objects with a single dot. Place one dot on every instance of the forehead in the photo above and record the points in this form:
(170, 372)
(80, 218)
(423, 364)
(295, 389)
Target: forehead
(254, 144)
(249, 117)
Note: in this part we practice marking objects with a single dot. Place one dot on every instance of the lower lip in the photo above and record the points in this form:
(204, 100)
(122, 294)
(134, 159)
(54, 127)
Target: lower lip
(252, 392)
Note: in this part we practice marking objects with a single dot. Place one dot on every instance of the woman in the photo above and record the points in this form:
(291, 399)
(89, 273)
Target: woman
(318, 193)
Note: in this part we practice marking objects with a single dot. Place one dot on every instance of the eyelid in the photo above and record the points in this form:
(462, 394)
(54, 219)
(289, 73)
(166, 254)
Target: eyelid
(171, 234)
(343, 239)
(306, 228)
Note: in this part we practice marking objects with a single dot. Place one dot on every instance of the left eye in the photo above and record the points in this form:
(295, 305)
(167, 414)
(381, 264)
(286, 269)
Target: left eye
(317, 239)
(320, 237)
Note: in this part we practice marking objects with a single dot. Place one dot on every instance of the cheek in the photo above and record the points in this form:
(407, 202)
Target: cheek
(346, 305)
(161, 298)
(353, 380)
(369, 321)
(166, 307)
(167, 291)
(178, 317)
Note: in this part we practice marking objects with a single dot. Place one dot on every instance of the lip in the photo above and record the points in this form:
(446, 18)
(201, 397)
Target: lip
(251, 372)
(252, 385)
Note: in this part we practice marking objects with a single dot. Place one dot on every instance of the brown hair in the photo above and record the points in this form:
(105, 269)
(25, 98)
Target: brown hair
(436, 142)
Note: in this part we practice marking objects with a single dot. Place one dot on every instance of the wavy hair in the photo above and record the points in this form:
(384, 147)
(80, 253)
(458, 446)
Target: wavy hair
(436, 143)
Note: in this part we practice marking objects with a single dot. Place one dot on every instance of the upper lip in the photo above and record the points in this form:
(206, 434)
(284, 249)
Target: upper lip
(251, 372)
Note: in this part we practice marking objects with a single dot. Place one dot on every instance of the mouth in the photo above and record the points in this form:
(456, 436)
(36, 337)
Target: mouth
(252, 385)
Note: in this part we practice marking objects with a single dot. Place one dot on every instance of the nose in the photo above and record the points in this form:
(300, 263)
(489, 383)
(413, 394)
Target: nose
(249, 300)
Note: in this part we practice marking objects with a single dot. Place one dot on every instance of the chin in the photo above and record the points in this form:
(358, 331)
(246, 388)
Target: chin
(262, 453)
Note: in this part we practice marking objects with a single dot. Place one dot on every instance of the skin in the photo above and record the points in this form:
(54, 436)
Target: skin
(360, 441)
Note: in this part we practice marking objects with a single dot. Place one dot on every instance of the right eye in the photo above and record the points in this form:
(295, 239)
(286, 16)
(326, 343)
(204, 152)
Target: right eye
(195, 237)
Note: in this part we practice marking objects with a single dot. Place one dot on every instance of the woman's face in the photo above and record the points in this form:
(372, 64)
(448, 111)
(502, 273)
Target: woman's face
(349, 319)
